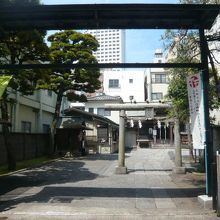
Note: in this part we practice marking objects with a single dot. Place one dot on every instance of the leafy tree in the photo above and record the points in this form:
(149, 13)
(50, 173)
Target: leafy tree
(68, 47)
(18, 47)
(183, 47)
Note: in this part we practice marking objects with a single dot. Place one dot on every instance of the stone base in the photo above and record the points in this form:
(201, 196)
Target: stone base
(205, 201)
(179, 170)
(121, 170)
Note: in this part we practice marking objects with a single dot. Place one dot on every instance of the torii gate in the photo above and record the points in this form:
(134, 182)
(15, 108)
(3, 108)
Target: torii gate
(121, 168)
(123, 16)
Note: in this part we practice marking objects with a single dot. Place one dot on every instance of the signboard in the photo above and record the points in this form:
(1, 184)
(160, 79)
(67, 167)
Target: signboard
(148, 113)
(136, 113)
(196, 107)
(4, 80)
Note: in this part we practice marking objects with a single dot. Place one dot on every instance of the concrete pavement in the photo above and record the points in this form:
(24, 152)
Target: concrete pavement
(87, 188)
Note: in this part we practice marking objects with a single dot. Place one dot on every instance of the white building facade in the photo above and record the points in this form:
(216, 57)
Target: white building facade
(157, 81)
(96, 105)
(32, 113)
(128, 84)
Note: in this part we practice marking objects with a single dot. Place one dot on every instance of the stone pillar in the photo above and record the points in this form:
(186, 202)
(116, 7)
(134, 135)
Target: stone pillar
(178, 158)
(121, 168)
(178, 169)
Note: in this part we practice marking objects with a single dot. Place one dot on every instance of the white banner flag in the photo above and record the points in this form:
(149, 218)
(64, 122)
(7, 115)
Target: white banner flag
(196, 107)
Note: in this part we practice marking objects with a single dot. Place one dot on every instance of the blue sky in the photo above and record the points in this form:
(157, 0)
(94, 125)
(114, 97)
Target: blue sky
(140, 44)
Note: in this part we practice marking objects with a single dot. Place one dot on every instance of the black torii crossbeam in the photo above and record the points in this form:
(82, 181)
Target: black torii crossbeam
(123, 16)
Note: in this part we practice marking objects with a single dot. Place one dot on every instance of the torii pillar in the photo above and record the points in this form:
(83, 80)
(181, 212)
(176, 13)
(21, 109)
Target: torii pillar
(121, 168)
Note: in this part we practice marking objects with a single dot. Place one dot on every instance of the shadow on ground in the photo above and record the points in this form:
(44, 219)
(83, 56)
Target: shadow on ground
(66, 170)
(52, 194)
(62, 171)
(192, 179)
(73, 170)
(110, 157)
(149, 170)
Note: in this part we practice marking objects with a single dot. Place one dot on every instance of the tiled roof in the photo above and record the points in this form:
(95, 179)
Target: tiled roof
(104, 98)
(77, 112)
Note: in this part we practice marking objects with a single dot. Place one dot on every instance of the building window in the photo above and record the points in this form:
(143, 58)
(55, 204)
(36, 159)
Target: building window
(130, 80)
(91, 110)
(26, 126)
(107, 113)
(103, 112)
(158, 55)
(157, 96)
(113, 83)
(159, 78)
(100, 111)
(46, 128)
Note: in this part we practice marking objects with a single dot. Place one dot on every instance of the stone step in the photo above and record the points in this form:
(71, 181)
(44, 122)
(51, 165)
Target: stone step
(58, 211)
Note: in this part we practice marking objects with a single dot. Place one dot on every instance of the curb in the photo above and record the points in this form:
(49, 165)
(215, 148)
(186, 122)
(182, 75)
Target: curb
(31, 167)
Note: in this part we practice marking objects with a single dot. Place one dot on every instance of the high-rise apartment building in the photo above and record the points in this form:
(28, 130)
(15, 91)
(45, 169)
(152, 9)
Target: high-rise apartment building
(111, 45)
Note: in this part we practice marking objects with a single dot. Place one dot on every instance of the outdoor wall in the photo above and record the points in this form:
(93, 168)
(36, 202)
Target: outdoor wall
(48, 98)
(131, 83)
(156, 87)
(93, 132)
(114, 114)
(130, 138)
(37, 108)
(46, 118)
(29, 115)
(25, 146)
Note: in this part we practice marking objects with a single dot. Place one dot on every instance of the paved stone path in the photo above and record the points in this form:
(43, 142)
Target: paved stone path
(87, 188)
